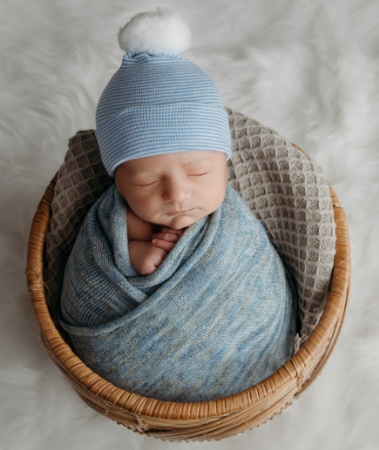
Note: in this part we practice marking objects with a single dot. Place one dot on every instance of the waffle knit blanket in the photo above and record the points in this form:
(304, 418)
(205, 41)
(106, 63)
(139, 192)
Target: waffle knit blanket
(218, 315)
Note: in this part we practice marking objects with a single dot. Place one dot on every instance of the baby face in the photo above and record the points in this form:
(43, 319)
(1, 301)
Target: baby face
(175, 189)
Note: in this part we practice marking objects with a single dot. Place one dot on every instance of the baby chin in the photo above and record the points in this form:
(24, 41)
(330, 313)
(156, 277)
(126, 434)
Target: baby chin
(181, 220)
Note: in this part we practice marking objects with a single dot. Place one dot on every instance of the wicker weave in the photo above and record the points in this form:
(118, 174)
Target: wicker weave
(193, 421)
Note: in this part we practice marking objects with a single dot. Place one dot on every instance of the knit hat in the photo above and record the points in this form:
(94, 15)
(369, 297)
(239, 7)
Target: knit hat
(158, 101)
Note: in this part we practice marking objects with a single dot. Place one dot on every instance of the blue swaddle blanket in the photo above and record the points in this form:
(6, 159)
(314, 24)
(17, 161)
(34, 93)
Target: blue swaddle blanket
(216, 317)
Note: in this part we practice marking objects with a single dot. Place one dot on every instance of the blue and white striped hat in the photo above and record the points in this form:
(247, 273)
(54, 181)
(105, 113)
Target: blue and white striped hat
(158, 101)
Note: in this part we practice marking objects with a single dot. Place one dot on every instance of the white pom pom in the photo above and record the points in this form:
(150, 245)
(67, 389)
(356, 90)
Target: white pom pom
(155, 33)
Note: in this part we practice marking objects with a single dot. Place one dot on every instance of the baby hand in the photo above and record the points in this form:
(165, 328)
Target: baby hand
(167, 238)
(145, 257)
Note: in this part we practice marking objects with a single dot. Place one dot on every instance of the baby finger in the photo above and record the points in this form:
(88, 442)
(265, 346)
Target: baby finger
(165, 245)
(166, 237)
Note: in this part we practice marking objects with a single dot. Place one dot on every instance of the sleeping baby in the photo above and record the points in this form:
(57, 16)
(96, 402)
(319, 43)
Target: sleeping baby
(173, 289)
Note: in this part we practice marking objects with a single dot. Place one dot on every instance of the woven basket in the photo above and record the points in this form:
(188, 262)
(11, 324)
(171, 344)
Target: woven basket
(201, 421)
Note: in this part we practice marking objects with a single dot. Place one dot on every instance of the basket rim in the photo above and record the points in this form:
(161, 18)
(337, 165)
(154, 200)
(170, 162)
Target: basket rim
(295, 375)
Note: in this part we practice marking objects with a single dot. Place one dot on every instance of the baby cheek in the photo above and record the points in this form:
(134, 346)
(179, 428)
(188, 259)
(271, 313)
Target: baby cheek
(151, 208)
(217, 197)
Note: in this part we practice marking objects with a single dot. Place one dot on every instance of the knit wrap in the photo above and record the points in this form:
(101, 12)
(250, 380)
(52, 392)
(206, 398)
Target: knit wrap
(216, 317)
(157, 104)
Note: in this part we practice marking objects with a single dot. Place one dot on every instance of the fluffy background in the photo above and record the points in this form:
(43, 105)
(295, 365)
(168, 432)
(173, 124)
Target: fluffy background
(310, 70)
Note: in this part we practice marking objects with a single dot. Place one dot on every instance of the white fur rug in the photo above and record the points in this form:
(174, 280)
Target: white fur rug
(310, 70)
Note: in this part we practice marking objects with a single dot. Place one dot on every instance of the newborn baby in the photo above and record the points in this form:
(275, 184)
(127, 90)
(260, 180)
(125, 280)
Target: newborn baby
(173, 290)
(171, 191)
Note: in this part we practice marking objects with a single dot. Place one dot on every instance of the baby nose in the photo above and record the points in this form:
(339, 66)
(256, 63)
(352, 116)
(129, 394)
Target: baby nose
(176, 191)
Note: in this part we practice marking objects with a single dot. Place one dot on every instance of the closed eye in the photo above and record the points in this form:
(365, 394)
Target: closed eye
(198, 174)
(147, 184)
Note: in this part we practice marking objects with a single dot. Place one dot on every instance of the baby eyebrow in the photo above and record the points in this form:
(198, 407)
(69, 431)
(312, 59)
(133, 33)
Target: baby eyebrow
(135, 173)
(195, 161)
